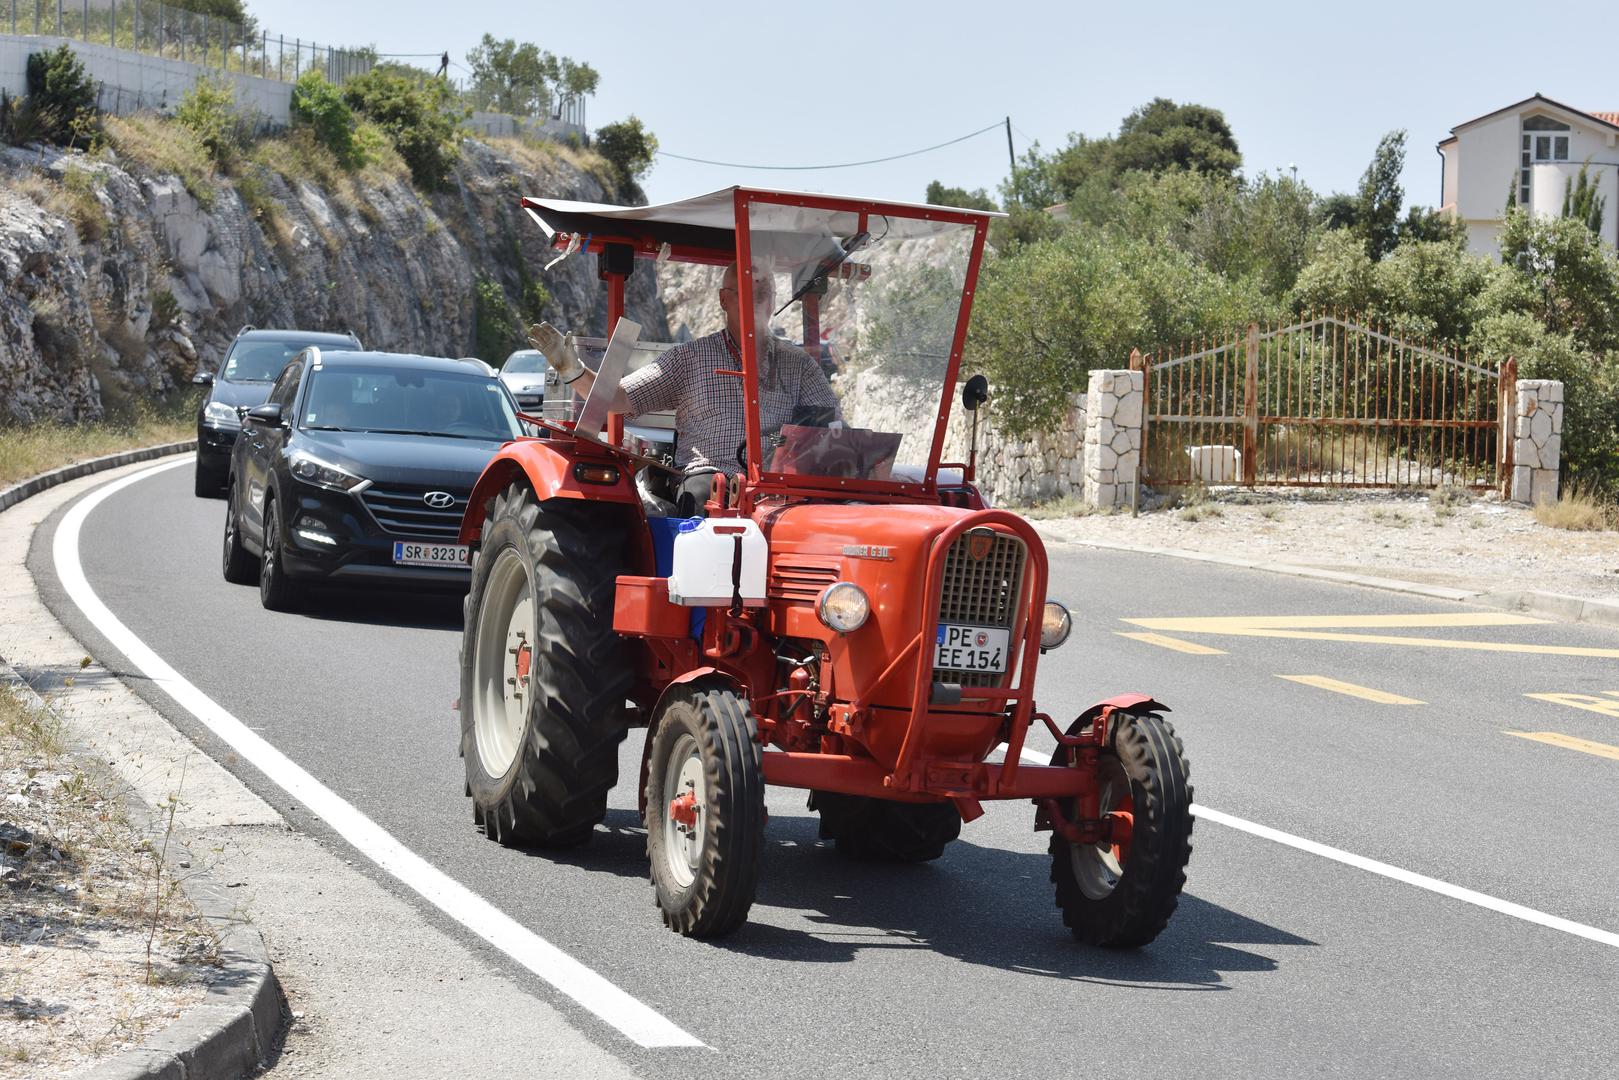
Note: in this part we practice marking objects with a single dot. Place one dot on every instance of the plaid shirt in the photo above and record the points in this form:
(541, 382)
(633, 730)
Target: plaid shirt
(709, 419)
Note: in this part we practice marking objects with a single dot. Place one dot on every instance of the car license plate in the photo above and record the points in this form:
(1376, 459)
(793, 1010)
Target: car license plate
(453, 556)
(971, 648)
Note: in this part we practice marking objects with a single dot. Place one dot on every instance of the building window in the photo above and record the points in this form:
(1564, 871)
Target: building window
(1541, 143)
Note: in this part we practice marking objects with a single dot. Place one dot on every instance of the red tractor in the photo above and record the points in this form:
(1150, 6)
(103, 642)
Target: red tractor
(845, 616)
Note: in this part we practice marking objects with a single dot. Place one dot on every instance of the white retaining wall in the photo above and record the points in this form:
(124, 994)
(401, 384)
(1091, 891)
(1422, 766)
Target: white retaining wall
(129, 81)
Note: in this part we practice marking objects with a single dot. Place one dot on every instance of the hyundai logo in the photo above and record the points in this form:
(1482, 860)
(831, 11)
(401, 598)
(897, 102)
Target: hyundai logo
(439, 500)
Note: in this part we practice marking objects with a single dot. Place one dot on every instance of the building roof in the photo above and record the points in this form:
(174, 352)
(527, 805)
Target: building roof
(1606, 119)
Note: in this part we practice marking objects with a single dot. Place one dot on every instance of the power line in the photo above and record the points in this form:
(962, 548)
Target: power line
(845, 165)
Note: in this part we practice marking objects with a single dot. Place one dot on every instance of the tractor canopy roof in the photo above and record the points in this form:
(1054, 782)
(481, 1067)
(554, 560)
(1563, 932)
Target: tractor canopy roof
(703, 228)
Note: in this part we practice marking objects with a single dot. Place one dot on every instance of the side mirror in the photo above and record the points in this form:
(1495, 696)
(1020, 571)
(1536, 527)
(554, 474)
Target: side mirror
(266, 414)
(203, 378)
(975, 393)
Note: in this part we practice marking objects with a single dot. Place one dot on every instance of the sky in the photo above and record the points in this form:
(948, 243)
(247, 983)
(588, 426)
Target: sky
(1306, 85)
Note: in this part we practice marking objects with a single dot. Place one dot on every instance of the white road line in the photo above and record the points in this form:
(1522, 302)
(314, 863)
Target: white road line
(638, 1022)
(1383, 869)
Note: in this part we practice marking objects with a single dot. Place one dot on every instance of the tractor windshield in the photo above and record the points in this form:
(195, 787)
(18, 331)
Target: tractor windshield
(855, 316)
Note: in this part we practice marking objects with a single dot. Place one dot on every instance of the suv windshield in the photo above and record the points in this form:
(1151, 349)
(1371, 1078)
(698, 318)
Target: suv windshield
(406, 402)
(888, 290)
(525, 362)
(260, 361)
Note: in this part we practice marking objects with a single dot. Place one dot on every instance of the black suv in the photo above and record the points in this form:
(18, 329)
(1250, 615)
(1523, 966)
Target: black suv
(358, 469)
(251, 364)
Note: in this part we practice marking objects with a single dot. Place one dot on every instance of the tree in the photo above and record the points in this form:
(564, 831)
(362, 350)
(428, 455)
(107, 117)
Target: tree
(61, 103)
(977, 199)
(628, 148)
(1156, 137)
(522, 79)
(1581, 201)
(1380, 197)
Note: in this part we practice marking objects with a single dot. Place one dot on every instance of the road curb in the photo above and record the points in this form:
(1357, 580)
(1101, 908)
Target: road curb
(1558, 606)
(234, 1028)
(15, 494)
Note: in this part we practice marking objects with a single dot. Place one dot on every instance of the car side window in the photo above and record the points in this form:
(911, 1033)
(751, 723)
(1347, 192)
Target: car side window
(285, 390)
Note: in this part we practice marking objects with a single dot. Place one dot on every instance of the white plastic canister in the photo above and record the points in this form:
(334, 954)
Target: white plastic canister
(704, 561)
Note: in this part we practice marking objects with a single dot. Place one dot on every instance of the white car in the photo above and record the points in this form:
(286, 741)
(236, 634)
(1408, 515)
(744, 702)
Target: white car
(529, 377)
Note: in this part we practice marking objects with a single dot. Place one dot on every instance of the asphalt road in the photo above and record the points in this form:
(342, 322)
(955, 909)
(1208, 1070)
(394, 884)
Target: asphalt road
(1279, 963)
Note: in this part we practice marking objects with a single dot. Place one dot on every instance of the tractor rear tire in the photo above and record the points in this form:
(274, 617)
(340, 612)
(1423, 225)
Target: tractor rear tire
(540, 733)
(882, 830)
(1121, 897)
(705, 812)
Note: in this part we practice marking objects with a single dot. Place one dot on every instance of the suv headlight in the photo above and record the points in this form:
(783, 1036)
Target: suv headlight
(1055, 625)
(844, 607)
(312, 470)
(221, 415)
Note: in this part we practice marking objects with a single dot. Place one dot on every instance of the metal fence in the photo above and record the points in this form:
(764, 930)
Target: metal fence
(1330, 401)
(167, 30)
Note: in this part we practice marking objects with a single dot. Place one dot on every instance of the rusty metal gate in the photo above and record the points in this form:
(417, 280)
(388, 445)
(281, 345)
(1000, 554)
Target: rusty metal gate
(1329, 402)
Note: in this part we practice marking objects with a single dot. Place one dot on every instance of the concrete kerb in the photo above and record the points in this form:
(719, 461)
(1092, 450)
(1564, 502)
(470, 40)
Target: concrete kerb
(235, 1026)
(1552, 605)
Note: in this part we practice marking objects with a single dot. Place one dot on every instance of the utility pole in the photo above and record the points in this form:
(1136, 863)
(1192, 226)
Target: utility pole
(1011, 155)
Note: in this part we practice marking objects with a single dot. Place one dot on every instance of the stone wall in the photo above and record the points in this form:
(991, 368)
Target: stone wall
(1044, 466)
(1113, 437)
(1537, 445)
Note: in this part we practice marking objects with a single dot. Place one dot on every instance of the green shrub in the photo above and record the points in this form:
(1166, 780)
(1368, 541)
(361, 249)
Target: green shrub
(420, 117)
(498, 331)
(319, 106)
(628, 147)
(61, 103)
(209, 110)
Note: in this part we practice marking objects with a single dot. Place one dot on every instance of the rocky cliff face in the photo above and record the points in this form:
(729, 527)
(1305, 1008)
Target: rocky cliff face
(117, 283)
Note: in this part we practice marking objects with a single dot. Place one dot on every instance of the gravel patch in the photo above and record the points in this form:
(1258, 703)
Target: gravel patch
(1448, 538)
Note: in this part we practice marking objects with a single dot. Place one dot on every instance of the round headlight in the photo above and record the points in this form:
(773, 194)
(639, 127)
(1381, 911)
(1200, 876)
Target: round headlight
(1055, 625)
(844, 607)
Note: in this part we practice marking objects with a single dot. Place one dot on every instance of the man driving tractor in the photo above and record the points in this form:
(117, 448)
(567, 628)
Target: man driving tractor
(709, 418)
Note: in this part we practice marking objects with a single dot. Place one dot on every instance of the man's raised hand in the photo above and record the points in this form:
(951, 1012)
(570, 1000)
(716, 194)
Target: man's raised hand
(559, 351)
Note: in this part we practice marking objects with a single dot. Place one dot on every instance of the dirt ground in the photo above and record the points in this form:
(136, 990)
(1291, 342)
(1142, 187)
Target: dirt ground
(1451, 539)
(80, 903)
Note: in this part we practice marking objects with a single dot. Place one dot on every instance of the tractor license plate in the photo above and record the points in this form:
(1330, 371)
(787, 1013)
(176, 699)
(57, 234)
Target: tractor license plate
(971, 648)
(451, 556)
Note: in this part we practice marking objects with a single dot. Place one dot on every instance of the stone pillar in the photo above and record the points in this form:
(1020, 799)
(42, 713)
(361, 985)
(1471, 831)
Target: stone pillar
(1113, 411)
(1537, 444)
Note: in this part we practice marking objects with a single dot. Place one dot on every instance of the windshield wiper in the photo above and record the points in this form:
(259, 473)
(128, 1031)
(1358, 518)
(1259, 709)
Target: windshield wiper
(828, 264)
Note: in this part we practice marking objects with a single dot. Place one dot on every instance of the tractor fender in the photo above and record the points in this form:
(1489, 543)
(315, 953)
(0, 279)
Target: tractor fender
(698, 674)
(547, 466)
(1123, 702)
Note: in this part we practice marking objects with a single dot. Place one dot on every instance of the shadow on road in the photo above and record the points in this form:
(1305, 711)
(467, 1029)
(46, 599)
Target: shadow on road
(979, 905)
(416, 611)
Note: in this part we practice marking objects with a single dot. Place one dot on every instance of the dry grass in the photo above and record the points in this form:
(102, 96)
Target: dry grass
(1391, 518)
(83, 894)
(1068, 506)
(29, 451)
(167, 148)
(1579, 510)
(73, 198)
(541, 155)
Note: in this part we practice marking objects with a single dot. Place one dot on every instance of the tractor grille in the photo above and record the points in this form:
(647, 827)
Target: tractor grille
(982, 592)
(402, 511)
(800, 581)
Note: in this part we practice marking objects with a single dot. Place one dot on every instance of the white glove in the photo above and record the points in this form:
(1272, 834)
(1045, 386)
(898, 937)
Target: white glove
(559, 351)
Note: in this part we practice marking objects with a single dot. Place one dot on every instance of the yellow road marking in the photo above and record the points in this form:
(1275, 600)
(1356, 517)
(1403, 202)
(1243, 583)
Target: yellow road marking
(1173, 643)
(1568, 742)
(1254, 626)
(1220, 624)
(1382, 697)
(1604, 705)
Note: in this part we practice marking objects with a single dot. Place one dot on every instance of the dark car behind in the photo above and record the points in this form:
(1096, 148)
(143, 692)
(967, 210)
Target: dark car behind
(358, 469)
(243, 380)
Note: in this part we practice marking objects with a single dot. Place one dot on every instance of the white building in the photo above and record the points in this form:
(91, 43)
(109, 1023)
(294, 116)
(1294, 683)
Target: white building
(1528, 152)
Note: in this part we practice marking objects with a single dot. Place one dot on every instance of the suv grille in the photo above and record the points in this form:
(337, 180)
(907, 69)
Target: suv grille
(403, 512)
(982, 592)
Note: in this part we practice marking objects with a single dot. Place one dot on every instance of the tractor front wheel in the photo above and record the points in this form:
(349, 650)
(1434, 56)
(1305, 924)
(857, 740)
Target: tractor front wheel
(705, 812)
(1121, 892)
(882, 830)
